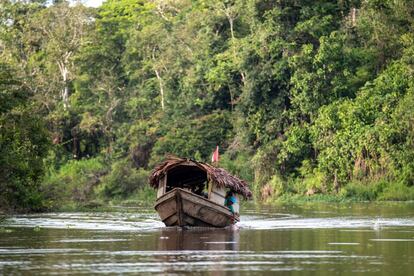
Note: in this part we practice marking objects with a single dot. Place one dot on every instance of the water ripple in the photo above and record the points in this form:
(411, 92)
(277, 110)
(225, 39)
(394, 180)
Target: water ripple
(324, 223)
(150, 222)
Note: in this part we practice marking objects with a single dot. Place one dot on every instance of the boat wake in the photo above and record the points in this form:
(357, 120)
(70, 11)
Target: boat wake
(294, 222)
(149, 221)
(114, 221)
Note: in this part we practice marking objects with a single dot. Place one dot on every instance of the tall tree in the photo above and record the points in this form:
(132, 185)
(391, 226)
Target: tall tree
(24, 142)
(62, 28)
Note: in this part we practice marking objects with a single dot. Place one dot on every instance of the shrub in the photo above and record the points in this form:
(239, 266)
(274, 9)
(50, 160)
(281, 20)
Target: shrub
(239, 166)
(397, 191)
(123, 180)
(363, 190)
(74, 181)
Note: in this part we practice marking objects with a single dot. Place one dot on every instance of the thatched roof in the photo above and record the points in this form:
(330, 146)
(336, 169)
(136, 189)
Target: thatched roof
(217, 175)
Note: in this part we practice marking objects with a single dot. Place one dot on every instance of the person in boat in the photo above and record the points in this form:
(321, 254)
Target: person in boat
(199, 190)
(230, 200)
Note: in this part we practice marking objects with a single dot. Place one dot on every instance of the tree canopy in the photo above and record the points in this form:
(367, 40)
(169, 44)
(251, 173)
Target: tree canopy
(301, 96)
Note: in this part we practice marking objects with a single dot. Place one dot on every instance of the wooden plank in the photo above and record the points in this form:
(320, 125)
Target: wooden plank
(165, 183)
(210, 187)
(217, 194)
(179, 209)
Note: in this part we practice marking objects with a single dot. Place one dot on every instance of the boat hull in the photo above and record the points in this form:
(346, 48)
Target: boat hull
(183, 208)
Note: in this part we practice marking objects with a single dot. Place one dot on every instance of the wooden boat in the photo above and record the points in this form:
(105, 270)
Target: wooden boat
(183, 208)
(192, 193)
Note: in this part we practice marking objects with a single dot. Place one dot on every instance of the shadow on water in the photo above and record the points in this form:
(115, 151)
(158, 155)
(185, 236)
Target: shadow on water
(198, 239)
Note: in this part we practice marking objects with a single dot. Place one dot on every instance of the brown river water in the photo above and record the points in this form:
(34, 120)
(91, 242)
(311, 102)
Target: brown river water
(316, 239)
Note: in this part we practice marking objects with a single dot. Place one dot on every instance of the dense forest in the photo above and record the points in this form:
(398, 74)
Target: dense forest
(303, 97)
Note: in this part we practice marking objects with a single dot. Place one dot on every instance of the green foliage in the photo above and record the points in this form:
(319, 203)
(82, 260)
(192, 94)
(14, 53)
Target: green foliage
(75, 181)
(354, 140)
(123, 180)
(274, 188)
(238, 164)
(398, 191)
(306, 99)
(144, 196)
(379, 190)
(24, 142)
(364, 191)
(314, 183)
(195, 137)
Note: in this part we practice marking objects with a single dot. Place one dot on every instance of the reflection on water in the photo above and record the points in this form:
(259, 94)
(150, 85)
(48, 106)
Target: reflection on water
(198, 239)
(197, 248)
(320, 240)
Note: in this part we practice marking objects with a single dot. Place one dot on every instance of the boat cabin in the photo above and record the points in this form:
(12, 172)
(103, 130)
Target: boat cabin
(199, 178)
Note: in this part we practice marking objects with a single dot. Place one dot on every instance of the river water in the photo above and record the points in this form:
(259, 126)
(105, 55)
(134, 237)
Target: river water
(317, 239)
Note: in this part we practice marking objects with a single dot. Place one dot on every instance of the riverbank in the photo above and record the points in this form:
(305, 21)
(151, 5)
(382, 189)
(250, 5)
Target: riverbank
(142, 198)
(351, 192)
(145, 197)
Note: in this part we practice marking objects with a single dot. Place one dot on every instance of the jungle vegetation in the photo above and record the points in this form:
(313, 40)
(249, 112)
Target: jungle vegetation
(303, 97)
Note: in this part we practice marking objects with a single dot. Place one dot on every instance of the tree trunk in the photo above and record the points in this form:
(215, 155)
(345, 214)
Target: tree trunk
(230, 18)
(64, 71)
(353, 17)
(336, 183)
(65, 96)
(231, 27)
(157, 73)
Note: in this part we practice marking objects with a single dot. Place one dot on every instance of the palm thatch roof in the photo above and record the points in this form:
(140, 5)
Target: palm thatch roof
(217, 175)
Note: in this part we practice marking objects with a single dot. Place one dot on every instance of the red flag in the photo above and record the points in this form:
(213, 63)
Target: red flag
(215, 156)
